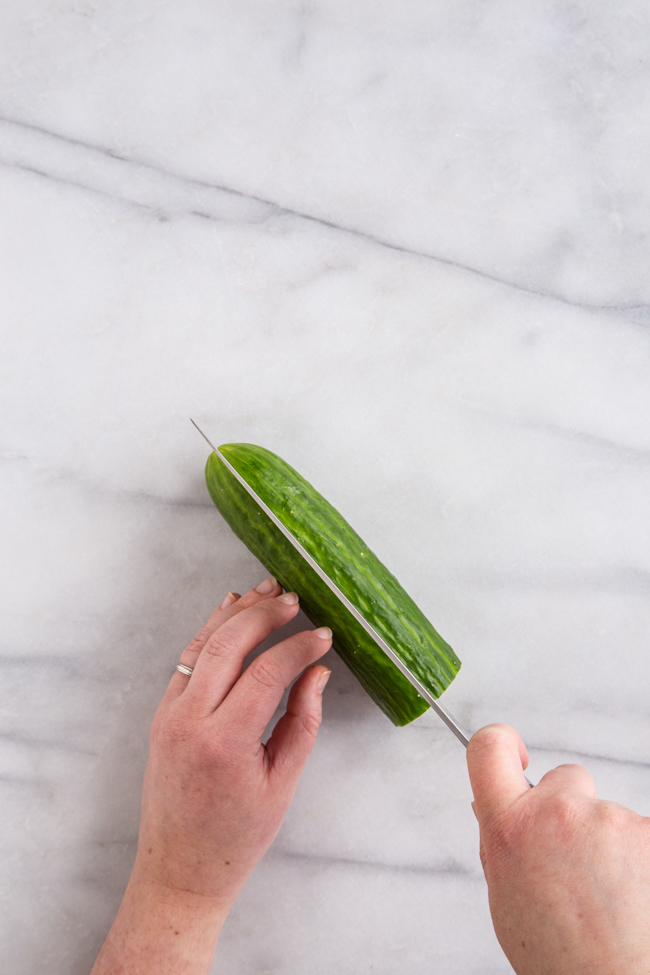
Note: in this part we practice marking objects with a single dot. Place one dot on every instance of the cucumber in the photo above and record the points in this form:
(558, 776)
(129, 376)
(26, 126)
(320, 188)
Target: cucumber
(348, 561)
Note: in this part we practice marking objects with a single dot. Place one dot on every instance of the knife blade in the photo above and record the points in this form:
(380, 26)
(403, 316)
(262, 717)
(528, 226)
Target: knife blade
(451, 722)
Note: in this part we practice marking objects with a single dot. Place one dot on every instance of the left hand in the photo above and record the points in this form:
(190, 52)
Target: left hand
(214, 796)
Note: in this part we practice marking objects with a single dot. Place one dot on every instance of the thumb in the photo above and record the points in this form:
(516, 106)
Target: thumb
(481, 848)
(496, 759)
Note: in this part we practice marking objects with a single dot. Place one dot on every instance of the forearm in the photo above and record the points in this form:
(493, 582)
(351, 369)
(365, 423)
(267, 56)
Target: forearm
(161, 932)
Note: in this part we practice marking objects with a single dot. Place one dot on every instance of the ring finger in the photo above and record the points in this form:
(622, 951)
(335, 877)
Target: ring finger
(231, 606)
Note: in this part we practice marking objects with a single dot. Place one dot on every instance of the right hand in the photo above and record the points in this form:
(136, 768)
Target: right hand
(568, 875)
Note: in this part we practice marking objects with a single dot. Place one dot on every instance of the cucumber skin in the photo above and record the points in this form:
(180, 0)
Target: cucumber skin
(346, 558)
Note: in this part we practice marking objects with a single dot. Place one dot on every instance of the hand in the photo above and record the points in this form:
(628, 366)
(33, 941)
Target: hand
(214, 796)
(568, 875)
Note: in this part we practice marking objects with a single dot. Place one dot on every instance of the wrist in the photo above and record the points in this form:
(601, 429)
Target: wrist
(163, 931)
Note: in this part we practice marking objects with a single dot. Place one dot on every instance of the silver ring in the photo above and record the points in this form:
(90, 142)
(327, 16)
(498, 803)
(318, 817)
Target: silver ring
(185, 670)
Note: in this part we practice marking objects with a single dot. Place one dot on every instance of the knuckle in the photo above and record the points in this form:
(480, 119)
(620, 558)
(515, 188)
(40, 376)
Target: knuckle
(492, 736)
(563, 814)
(561, 805)
(571, 767)
(266, 672)
(306, 647)
(274, 611)
(194, 646)
(310, 722)
(225, 643)
(270, 611)
(316, 643)
(612, 819)
(248, 599)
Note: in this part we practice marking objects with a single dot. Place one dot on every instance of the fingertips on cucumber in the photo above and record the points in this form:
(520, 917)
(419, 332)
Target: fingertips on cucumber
(348, 561)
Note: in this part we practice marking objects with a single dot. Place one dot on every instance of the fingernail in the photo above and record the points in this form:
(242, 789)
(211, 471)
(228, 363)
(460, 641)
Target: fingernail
(288, 597)
(323, 681)
(228, 601)
(267, 586)
(323, 632)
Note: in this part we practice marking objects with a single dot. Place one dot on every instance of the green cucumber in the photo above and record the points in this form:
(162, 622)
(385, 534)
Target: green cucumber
(348, 561)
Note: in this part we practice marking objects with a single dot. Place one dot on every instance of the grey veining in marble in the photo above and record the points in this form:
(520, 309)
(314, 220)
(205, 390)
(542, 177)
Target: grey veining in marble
(406, 247)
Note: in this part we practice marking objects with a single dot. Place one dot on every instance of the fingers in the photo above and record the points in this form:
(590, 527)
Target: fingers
(496, 759)
(569, 780)
(220, 662)
(231, 605)
(227, 609)
(255, 697)
(294, 735)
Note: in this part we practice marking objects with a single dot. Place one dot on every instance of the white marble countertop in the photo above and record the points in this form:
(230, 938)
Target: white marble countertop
(405, 246)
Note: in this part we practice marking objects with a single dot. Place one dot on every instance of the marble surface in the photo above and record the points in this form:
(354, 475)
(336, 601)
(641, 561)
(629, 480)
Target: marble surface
(406, 247)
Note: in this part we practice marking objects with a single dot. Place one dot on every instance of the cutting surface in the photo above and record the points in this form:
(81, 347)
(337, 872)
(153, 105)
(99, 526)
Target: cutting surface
(405, 248)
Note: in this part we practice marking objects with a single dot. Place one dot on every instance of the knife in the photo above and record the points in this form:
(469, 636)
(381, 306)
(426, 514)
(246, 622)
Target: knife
(451, 722)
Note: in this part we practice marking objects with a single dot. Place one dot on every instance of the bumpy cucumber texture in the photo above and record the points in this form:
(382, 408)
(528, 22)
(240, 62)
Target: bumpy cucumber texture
(348, 561)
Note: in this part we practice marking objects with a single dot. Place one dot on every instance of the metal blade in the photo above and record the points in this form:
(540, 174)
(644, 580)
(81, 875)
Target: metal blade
(451, 723)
